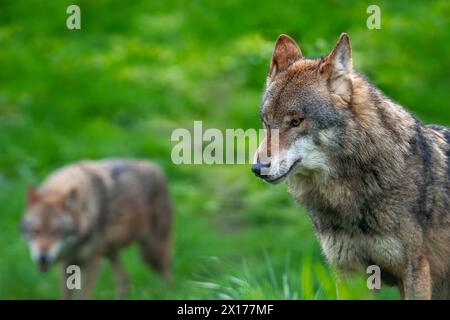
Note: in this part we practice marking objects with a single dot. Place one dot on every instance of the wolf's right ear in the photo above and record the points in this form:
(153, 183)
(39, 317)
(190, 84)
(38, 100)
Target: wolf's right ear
(337, 67)
(285, 53)
(32, 195)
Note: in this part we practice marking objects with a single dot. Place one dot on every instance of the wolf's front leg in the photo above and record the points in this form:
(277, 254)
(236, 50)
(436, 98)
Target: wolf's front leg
(123, 282)
(66, 293)
(88, 275)
(417, 280)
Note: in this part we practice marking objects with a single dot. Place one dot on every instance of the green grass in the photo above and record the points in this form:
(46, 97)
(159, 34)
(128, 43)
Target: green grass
(136, 71)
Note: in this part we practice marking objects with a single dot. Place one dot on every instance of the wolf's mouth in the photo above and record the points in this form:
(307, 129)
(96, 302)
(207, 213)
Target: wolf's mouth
(285, 175)
(43, 263)
(43, 266)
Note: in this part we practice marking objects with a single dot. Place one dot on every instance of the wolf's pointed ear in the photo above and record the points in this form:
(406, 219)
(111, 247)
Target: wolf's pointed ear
(286, 52)
(337, 66)
(340, 59)
(32, 195)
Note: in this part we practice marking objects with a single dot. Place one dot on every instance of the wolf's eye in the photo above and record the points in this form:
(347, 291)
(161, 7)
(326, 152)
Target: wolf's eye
(295, 122)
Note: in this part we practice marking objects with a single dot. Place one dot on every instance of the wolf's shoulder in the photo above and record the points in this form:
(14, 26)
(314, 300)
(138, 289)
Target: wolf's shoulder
(68, 177)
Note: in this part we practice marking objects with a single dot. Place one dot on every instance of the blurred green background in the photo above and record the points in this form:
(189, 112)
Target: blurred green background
(139, 69)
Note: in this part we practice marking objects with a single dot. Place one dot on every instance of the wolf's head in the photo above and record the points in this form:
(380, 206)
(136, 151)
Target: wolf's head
(303, 110)
(48, 226)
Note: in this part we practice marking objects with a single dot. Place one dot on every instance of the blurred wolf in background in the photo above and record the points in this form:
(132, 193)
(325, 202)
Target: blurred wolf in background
(375, 180)
(91, 209)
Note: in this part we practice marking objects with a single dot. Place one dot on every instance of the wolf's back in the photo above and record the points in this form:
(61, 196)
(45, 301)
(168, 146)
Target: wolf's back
(145, 183)
(112, 187)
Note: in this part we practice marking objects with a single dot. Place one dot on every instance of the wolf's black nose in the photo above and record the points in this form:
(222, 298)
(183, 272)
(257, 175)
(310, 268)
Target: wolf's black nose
(256, 168)
(43, 258)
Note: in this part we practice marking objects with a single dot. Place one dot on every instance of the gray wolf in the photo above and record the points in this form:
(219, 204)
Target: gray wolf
(93, 209)
(374, 179)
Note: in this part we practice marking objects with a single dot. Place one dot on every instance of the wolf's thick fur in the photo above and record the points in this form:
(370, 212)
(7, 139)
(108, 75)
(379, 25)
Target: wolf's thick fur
(91, 209)
(375, 180)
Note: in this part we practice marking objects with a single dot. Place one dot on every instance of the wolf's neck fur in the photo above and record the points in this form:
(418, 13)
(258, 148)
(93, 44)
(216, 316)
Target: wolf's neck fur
(371, 161)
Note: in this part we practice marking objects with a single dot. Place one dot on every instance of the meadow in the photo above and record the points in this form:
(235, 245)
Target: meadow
(138, 70)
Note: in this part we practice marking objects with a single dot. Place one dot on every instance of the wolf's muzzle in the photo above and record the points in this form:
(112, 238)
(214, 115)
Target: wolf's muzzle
(257, 167)
(43, 262)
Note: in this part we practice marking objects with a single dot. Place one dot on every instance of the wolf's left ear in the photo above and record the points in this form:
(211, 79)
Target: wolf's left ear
(337, 66)
(285, 53)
